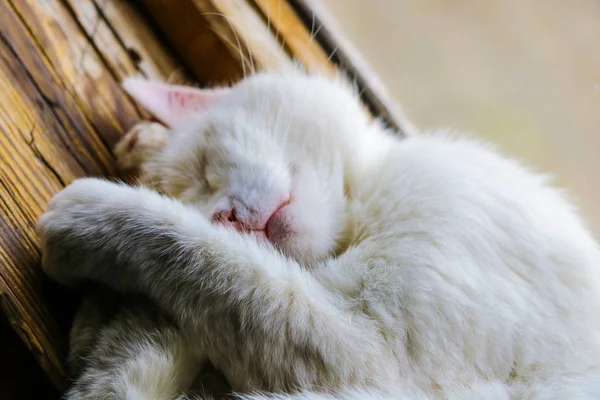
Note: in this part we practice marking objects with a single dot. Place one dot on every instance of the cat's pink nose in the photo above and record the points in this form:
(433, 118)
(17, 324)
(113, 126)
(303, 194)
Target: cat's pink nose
(245, 220)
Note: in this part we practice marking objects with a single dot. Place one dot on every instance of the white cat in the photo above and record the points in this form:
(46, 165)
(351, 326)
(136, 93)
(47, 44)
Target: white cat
(304, 249)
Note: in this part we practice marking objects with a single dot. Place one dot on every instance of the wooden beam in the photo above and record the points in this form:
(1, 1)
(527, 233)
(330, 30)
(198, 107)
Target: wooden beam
(62, 110)
(187, 31)
(266, 34)
(124, 40)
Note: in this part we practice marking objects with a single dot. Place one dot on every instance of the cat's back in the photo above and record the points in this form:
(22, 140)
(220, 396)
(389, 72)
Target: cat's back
(483, 267)
(468, 199)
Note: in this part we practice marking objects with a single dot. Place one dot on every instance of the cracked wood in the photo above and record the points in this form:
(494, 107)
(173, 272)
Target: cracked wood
(62, 110)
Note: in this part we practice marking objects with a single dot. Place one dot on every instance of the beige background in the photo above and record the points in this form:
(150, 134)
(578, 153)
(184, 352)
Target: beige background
(524, 74)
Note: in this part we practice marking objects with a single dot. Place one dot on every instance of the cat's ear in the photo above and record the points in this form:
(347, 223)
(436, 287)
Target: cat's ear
(171, 103)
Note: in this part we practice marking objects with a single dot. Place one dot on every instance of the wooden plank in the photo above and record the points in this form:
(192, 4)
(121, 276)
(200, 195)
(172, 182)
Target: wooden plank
(125, 41)
(205, 54)
(245, 38)
(35, 164)
(27, 181)
(294, 35)
(79, 66)
(54, 89)
(62, 110)
(242, 29)
(149, 51)
(270, 34)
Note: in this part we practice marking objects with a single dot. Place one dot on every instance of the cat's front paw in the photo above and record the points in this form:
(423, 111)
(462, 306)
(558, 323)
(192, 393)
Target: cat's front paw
(142, 141)
(73, 224)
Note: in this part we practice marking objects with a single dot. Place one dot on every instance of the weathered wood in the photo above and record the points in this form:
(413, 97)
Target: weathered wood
(205, 54)
(125, 41)
(241, 27)
(295, 36)
(269, 35)
(62, 109)
(251, 34)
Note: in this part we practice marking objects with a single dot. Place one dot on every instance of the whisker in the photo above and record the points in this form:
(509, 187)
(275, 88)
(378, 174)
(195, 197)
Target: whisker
(242, 57)
(246, 57)
(333, 53)
(313, 34)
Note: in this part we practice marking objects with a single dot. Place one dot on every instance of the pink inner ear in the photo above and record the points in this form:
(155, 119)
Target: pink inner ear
(170, 103)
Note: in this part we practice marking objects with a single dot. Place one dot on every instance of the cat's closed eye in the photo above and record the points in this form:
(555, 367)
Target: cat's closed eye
(207, 178)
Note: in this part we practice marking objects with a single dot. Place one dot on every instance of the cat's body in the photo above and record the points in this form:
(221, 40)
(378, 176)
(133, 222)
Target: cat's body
(428, 267)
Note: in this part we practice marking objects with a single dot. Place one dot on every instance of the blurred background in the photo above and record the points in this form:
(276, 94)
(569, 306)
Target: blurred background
(523, 74)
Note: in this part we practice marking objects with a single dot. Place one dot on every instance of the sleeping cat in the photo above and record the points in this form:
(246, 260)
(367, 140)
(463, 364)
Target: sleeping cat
(306, 251)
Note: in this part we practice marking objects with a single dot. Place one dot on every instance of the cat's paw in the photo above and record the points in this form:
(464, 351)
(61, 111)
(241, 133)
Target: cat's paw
(139, 144)
(69, 228)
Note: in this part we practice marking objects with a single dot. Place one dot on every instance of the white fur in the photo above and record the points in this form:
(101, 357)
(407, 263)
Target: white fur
(430, 267)
(148, 371)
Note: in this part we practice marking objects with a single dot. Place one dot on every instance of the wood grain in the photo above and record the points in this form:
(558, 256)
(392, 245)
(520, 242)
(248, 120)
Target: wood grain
(125, 41)
(297, 38)
(62, 110)
(272, 35)
(250, 35)
(186, 29)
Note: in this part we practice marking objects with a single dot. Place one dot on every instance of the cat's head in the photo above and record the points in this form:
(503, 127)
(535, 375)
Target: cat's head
(268, 156)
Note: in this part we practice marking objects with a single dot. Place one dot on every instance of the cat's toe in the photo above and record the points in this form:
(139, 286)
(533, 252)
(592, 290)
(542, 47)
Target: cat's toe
(139, 144)
(53, 255)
